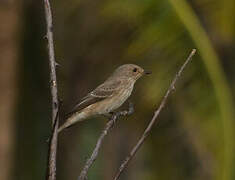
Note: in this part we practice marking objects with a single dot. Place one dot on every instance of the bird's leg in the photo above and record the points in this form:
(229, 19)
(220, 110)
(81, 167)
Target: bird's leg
(115, 115)
(129, 111)
(131, 108)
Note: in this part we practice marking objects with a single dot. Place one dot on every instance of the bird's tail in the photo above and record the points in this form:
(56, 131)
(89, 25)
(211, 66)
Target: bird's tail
(79, 116)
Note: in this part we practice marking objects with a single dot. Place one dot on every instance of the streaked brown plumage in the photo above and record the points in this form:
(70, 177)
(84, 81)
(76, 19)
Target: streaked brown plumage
(108, 96)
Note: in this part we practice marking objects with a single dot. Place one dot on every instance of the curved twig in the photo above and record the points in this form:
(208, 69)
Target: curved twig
(108, 127)
(154, 119)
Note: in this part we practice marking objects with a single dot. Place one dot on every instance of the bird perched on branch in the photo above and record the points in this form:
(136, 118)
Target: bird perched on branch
(108, 96)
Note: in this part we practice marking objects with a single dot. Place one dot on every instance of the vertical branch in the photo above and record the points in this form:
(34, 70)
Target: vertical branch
(154, 119)
(51, 167)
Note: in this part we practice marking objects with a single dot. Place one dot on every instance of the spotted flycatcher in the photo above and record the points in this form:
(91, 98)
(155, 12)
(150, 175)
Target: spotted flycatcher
(108, 96)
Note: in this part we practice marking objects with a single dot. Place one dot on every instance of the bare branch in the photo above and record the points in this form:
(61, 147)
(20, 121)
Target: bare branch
(154, 119)
(51, 167)
(108, 127)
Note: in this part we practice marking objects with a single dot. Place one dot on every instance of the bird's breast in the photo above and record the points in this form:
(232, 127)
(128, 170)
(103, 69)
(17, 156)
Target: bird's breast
(118, 99)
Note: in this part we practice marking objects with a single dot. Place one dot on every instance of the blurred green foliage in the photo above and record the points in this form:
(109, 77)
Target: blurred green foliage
(195, 136)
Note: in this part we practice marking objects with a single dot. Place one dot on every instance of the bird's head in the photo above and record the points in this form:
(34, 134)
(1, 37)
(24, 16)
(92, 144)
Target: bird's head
(131, 71)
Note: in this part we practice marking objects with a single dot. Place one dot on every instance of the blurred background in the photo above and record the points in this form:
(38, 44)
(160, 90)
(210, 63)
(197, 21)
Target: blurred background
(195, 138)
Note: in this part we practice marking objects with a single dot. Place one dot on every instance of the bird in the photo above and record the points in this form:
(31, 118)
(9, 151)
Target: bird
(108, 96)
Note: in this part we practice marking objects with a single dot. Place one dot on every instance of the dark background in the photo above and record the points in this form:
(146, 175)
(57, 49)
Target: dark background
(195, 137)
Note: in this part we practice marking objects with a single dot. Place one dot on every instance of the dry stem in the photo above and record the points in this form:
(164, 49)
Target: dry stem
(51, 167)
(154, 119)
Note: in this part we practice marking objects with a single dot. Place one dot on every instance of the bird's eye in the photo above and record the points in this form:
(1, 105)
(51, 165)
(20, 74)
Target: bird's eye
(135, 69)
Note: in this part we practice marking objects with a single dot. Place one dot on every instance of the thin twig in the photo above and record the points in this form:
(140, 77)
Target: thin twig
(154, 119)
(108, 127)
(51, 167)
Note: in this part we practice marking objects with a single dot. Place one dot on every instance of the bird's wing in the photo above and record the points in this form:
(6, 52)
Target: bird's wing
(105, 90)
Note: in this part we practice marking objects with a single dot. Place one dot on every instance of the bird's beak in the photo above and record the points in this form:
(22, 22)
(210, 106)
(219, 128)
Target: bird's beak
(147, 72)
